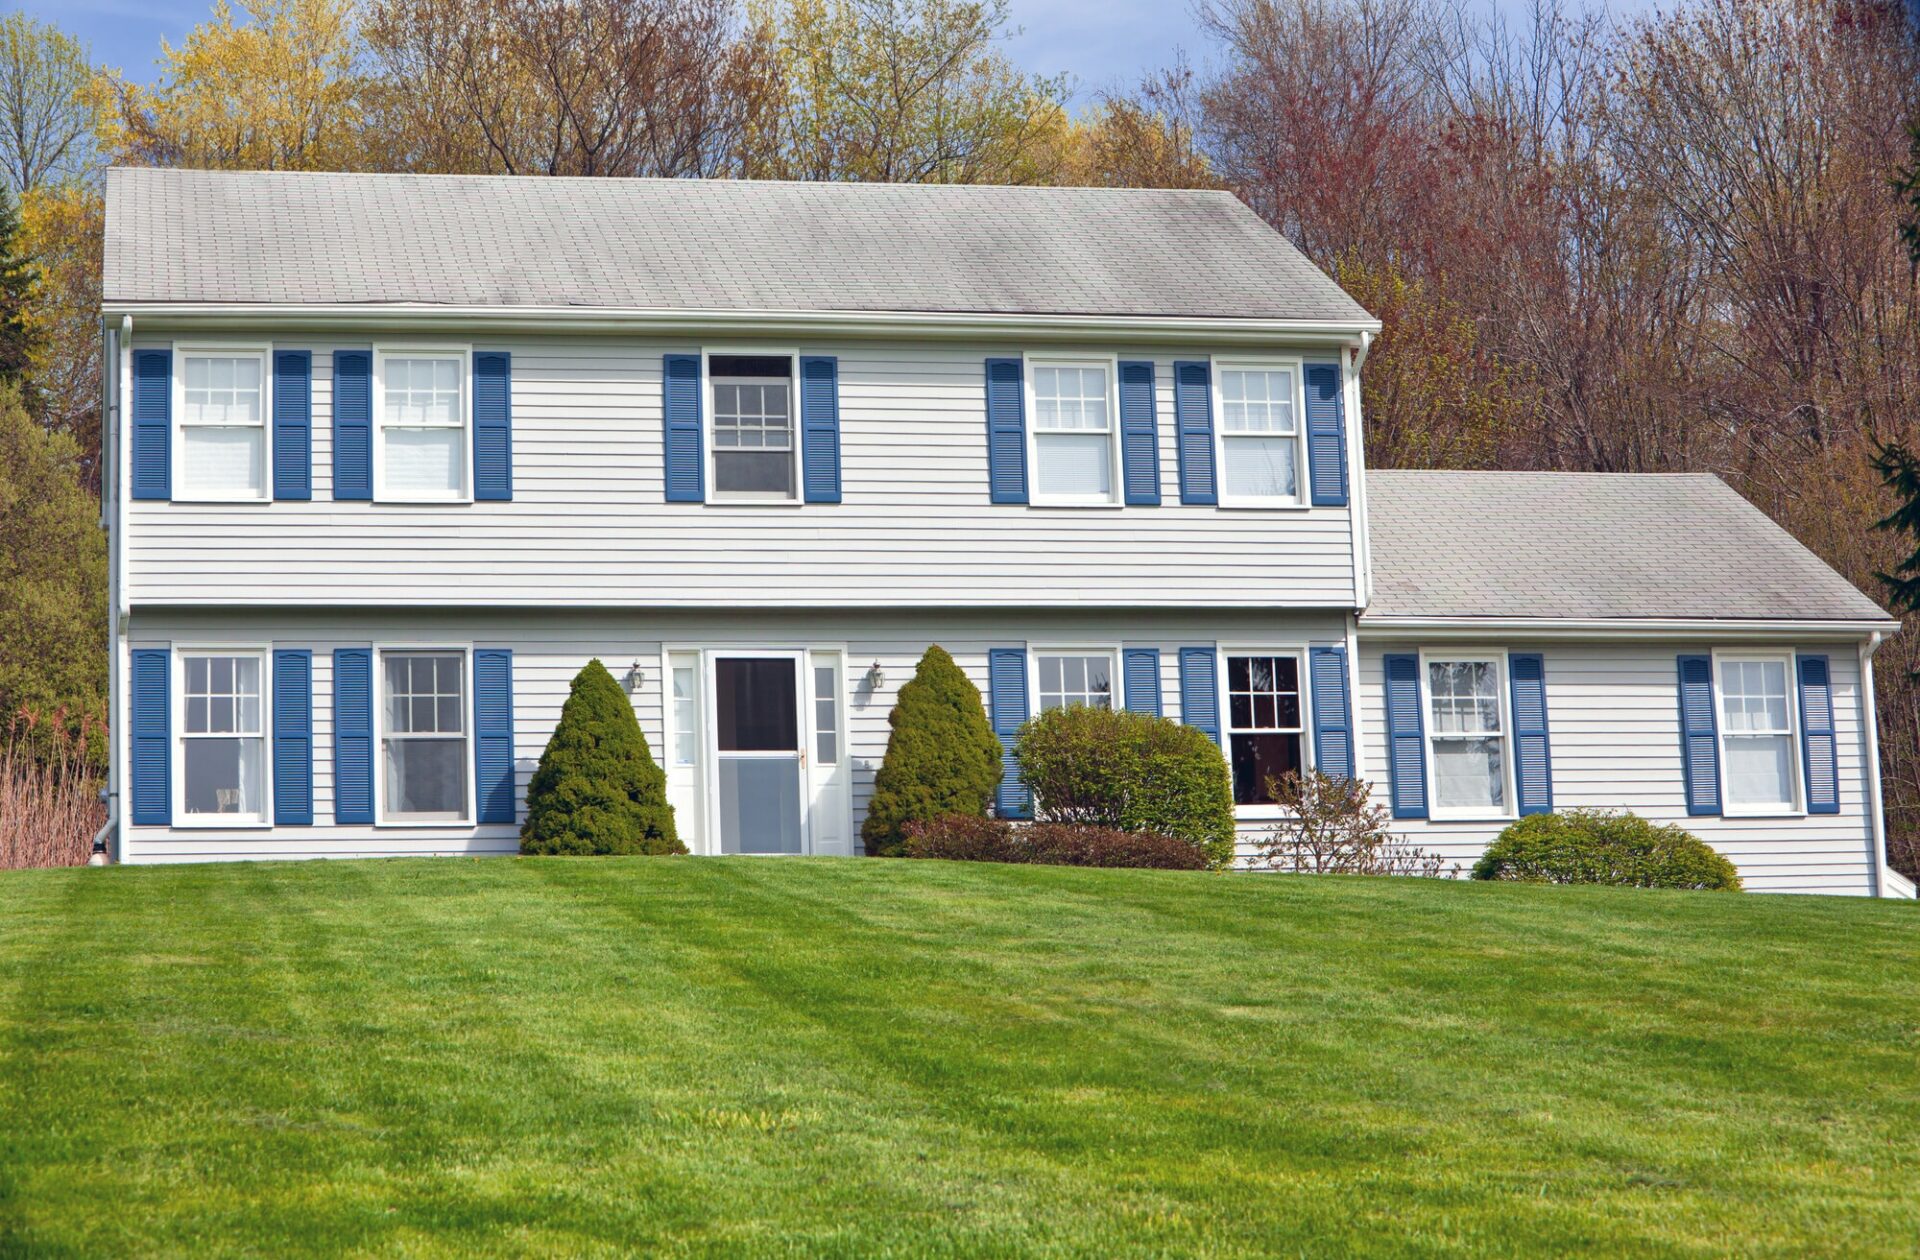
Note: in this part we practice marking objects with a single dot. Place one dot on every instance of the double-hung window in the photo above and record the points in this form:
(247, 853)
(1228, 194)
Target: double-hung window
(1467, 737)
(755, 440)
(421, 421)
(1264, 727)
(222, 404)
(1260, 433)
(423, 736)
(1073, 427)
(1757, 735)
(1065, 679)
(223, 737)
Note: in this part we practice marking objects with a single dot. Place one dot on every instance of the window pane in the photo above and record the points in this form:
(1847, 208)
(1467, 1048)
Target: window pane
(1256, 401)
(1260, 467)
(1465, 697)
(1760, 770)
(222, 776)
(1074, 464)
(222, 461)
(420, 391)
(753, 474)
(1075, 679)
(1069, 398)
(1263, 693)
(826, 715)
(1469, 773)
(221, 390)
(424, 695)
(424, 462)
(684, 720)
(755, 704)
(1260, 760)
(426, 777)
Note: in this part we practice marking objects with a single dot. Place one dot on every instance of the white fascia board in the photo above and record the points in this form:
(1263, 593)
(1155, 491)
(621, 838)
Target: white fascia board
(299, 317)
(1387, 627)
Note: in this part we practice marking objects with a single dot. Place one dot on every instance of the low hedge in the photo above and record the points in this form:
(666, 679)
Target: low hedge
(965, 838)
(1604, 847)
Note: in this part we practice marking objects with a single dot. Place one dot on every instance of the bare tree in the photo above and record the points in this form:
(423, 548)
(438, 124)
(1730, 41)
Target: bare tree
(45, 126)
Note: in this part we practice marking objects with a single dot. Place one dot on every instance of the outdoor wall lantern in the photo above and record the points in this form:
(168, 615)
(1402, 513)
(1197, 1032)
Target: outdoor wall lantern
(876, 677)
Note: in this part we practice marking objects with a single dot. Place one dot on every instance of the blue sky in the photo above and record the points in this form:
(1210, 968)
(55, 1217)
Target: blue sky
(1102, 43)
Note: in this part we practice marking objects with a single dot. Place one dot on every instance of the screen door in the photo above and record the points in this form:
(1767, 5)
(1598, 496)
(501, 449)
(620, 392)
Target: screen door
(759, 753)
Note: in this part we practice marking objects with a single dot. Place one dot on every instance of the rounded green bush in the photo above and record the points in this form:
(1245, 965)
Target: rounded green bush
(597, 789)
(1585, 846)
(942, 757)
(1130, 771)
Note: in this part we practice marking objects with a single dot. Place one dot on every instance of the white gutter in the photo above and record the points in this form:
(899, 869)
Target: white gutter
(684, 323)
(113, 351)
(1887, 882)
(1379, 627)
(1362, 525)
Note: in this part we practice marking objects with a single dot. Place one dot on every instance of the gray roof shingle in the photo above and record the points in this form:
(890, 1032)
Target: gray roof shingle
(701, 245)
(1591, 545)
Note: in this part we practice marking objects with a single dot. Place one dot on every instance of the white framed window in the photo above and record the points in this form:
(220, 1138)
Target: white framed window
(754, 451)
(1063, 677)
(1469, 751)
(420, 414)
(223, 736)
(686, 713)
(826, 709)
(1073, 432)
(221, 396)
(1265, 721)
(1759, 733)
(425, 766)
(1260, 432)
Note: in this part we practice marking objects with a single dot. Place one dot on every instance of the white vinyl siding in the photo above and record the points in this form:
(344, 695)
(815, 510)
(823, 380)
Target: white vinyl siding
(589, 524)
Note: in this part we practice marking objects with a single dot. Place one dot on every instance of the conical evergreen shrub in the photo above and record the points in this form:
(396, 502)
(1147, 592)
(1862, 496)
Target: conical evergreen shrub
(597, 789)
(942, 757)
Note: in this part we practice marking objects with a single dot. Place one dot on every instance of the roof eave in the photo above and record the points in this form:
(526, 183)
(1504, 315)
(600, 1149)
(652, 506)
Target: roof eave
(415, 317)
(1458, 628)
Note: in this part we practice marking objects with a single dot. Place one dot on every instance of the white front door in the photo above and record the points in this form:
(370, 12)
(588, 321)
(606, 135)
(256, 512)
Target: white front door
(760, 755)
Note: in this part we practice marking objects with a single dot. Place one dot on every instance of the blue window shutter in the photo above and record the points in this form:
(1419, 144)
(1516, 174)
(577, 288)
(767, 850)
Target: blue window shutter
(820, 428)
(1532, 751)
(353, 427)
(1140, 673)
(152, 462)
(1699, 750)
(1193, 420)
(1007, 706)
(1816, 736)
(1139, 435)
(1406, 735)
(293, 424)
(492, 426)
(686, 458)
(1326, 435)
(1006, 432)
(352, 735)
(150, 753)
(292, 737)
(1200, 690)
(493, 734)
(1332, 713)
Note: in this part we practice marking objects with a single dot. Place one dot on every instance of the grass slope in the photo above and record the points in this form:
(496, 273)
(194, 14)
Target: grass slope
(700, 1057)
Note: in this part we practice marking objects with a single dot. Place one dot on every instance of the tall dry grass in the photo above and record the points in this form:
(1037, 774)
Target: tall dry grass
(49, 792)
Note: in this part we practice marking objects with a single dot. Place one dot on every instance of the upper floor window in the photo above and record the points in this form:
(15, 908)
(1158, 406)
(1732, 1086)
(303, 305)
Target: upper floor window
(222, 736)
(1467, 736)
(1073, 431)
(222, 399)
(754, 443)
(1757, 734)
(1260, 433)
(1069, 678)
(421, 422)
(1264, 724)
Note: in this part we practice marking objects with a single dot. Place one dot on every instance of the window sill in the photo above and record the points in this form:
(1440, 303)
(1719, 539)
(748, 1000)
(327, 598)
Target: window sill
(207, 822)
(1096, 504)
(1484, 819)
(1263, 505)
(382, 501)
(222, 498)
(1763, 813)
(755, 503)
(391, 824)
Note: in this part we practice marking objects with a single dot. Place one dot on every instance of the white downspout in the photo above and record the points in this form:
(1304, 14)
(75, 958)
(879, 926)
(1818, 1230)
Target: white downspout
(111, 340)
(1887, 882)
(1357, 454)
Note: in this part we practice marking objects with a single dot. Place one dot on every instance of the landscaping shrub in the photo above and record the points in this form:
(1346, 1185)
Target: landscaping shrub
(1603, 847)
(969, 838)
(1332, 826)
(597, 789)
(1129, 772)
(942, 757)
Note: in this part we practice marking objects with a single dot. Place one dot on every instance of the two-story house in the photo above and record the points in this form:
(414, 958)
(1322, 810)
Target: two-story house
(391, 457)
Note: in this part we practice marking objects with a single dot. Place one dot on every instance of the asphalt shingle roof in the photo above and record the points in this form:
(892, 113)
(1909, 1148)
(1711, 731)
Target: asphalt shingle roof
(1590, 545)
(701, 245)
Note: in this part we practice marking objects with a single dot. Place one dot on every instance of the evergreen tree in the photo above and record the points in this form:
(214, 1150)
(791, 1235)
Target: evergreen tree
(17, 277)
(1900, 471)
(942, 757)
(597, 789)
(1906, 186)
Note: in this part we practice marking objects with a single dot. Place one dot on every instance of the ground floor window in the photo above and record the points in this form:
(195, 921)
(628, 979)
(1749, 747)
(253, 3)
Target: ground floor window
(1070, 678)
(424, 737)
(1757, 734)
(222, 736)
(1263, 723)
(1466, 734)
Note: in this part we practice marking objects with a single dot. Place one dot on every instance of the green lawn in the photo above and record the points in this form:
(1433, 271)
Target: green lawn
(725, 1057)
